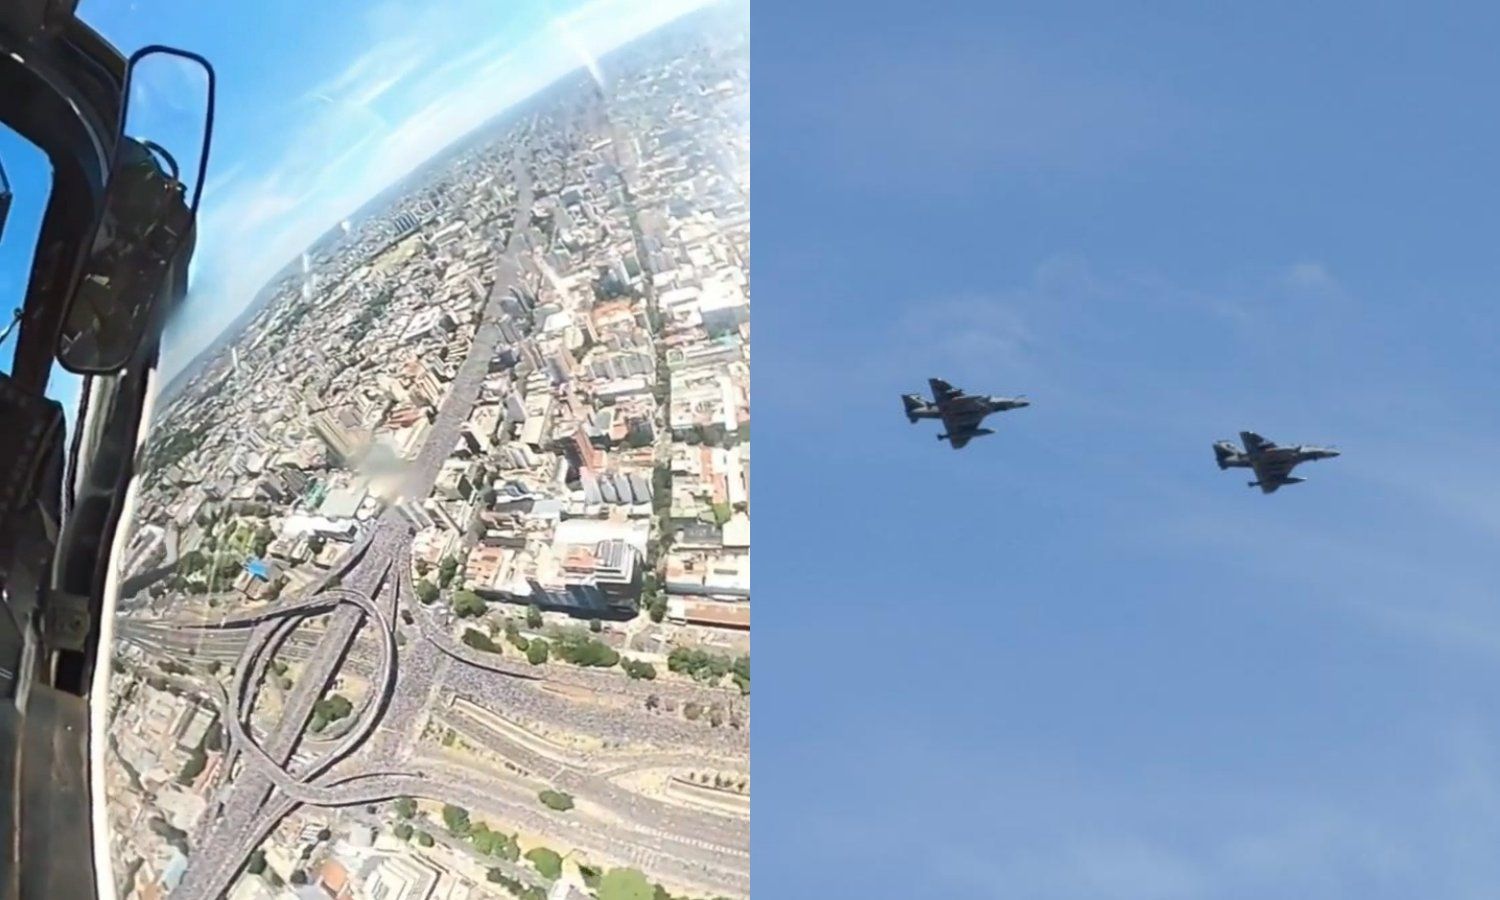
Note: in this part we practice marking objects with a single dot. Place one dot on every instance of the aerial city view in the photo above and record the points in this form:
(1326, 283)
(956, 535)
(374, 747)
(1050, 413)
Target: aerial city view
(437, 580)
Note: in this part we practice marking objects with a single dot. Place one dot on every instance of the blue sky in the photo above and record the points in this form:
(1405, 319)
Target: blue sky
(1076, 660)
(323, 105)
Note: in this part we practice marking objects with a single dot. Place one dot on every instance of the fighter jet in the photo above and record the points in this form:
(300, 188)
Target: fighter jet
(961, 413)
(1271, 464)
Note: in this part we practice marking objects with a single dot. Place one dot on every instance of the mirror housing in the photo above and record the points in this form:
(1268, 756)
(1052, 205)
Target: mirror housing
(4, 199)
(136, 268)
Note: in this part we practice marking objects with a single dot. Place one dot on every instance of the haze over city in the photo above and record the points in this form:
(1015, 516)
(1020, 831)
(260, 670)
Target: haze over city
(436, 579)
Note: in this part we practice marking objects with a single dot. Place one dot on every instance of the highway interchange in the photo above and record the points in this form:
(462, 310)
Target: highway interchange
(266, 776)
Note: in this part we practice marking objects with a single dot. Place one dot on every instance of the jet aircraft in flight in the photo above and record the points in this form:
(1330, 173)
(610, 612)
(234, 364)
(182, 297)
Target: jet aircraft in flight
(1271, 464)
(960, 413)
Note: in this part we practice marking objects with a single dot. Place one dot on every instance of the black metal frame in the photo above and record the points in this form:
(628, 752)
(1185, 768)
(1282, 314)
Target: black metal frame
(62, 87)
(4, 199)
(153, 324)
(208, 116)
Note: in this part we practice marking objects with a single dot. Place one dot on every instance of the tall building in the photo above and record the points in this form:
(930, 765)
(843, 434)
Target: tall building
(559, 365)
(404, 224)
(403, 877)
(415, 513)
(340, 439)
(580, 452)
(422, 381)
(607, 574)
(456, 479)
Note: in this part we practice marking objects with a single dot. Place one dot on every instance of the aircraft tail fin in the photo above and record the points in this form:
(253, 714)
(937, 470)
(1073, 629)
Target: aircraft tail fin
(1223, 453)
(912, 403)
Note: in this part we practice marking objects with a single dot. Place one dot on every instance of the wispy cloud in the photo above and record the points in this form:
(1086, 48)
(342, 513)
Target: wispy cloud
(373, 73)
(361, 128)
(1312, 279)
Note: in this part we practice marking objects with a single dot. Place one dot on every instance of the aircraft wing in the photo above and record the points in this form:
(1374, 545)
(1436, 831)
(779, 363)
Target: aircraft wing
(942, 391)
(1254, 443)
(1272, 470)
(961, 427)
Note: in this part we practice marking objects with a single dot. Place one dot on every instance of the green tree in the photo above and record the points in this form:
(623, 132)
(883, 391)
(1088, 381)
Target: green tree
(656, 607)
(596, 626)
(692, 709)
(625, 884)
(424, 839)
(638, 669)
(513, 634)
(480, 641)
(702, 666)
(484, 840)
(406, 807)
(257, 863)
(456, 818)
(533, 616)
(403, 831)
(511, 850)
(446, 570)
(467, 604)
(556, 800)
(298, 877)
(548, 864)
(536, 652)
(427, 592)
(585, 651)
(333, 707)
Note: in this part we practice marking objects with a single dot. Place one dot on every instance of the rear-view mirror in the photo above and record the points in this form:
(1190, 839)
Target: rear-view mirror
(136, 263)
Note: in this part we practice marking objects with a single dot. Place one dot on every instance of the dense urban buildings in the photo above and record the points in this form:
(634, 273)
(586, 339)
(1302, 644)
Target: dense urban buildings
(438, 579)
